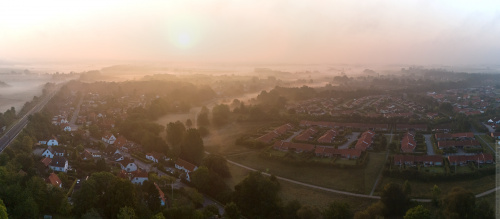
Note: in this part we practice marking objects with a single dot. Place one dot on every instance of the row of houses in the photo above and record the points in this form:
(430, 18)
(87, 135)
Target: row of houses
(459, 144)
(437, 160)
(364, 126)
(451, 136)
(277, 132)
(412, 160)
(408, 143)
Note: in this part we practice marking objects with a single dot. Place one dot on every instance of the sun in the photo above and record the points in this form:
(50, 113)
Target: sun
(184, 40)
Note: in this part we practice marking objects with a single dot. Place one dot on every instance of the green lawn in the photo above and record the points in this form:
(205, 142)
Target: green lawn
(435, 169)
(423, 189)
(485, 141)
(375, 164)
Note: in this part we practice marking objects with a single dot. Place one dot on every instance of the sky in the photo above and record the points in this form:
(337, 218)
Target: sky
(422, 32)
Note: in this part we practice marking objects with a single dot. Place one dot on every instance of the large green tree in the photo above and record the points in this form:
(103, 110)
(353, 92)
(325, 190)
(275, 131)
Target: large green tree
(395, 200)
(459, 203)
(175, 133)
(220, 115)
(340, 210)
(217, 164)
(192, 148)
(257, 196)
(418, 212)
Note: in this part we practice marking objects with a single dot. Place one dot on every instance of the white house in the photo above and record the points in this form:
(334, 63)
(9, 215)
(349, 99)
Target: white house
(139, 176)
(51, 152)
(59, 164)
(67, 128)
(155, 157)
(47, 153)
(109, 138)
(52, 142)
(128, 165)
(186, 167)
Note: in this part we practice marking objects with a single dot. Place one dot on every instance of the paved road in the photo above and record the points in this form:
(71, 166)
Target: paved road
(428, 142)
(12, 133)
(293, 136)
(72, 122)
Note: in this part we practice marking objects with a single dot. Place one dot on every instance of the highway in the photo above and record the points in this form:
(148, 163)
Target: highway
(12, 133)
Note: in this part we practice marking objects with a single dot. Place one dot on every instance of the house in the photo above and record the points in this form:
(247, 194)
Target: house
(450, 136)
(306, 135)
(412, 160)
(109, 138)
(139, 176)
(268, 137)
(120, 142)
(459, 144)
(365, 141)
(464, 159)
(52, 141)
(46, 161)
(155, 157)
(51, 152)
(59, 164)
(161, 194)
(495, 135)
(406, 127)
(117, 157)
(297, 147)
(322, 151)
(186, 167)
(65, 127)
(408, 143)
(86, 155)
(54, 180)
(328, 137)
(128, 164)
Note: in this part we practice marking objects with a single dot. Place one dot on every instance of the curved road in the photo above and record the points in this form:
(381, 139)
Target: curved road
(344, 192)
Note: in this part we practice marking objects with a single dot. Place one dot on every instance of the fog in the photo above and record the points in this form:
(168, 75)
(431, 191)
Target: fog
(291, 32)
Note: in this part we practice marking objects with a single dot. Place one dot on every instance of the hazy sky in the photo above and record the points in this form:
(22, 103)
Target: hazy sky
(307, 31)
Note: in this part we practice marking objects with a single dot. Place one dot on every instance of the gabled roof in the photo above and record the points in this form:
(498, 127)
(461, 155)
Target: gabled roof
(162, 195)
(120, 141)
(188, 166)
(408, 143)
(328, 136)
(125, 161)
(365, 140)
(54, 180)
(46, 161)
(139, 173)
(58, 161)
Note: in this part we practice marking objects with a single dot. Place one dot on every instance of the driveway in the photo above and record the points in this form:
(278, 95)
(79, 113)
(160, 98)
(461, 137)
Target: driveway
(351, 138)
(428, 142)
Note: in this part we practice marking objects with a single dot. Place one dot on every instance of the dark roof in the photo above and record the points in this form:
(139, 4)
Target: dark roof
(58, 161)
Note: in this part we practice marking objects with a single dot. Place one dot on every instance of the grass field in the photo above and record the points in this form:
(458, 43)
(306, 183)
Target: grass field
(305, 195)
(375, 164)
(484, 140)
(423, 189)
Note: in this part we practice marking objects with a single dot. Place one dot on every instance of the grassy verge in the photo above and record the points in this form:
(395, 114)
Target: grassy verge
(423, 189)
(373, 168)
(484, 141)
(71, 188)
(143, 159)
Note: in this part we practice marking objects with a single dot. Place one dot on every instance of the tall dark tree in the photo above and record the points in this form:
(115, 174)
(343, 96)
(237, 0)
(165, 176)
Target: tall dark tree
(395, 201)
(192, 148)
(340, 210)
(175, 133)
(220, 115)
(217, 164)
(257, 196)
(459, 203)
(202, 119)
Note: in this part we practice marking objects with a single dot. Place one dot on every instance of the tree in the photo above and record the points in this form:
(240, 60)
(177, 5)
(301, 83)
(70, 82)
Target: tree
(150, 196)
(308, 212)
(339, 210)
(220, 115)
(459, 203)
(436, 195)
(217, 164)
(175, 133)
(91, 214)
(257, 196)
(407, 188)
(158, 216)
(189, 123)
(290, 209)
(120, 194)
(418, 212)
(232, 211)
(210, 211)
(126, 213)
(484, 210)
(202, 119)
(395, 200)
(3, 211)
(192, 148)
